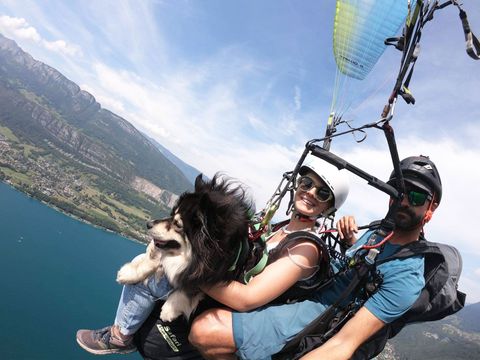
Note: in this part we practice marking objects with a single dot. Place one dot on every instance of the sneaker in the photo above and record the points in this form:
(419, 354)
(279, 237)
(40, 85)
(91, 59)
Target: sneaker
(102, 342)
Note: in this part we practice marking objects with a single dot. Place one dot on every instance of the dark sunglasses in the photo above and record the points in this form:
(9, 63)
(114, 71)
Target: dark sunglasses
(322, 193)
(417, 198)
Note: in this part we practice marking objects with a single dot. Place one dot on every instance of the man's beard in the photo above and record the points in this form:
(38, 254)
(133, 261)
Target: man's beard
(406, 219)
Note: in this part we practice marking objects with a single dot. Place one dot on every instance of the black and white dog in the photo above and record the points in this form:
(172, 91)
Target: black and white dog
(196, 246)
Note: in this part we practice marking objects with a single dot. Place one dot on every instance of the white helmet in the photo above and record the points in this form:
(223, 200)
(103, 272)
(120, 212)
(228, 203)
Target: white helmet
(336, 180)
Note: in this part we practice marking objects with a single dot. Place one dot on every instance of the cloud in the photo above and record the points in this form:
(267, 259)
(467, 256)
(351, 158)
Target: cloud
(62, 47)
(471, 286)
(19, 29)
(298, 98)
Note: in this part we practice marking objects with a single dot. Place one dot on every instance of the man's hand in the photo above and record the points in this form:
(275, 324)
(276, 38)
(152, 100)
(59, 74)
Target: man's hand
(347, 228)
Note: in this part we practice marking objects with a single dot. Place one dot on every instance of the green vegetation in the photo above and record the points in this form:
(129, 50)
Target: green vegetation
(32, 96)
(16, 177)
(5, 131)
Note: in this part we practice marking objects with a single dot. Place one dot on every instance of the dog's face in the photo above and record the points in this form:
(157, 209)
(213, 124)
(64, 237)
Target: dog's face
(168, 235)
(206, 226)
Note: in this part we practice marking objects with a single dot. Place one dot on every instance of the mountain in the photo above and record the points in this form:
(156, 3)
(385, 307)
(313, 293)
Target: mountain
(455, 337)
(189, 171)
(470, 318)
(58, 144)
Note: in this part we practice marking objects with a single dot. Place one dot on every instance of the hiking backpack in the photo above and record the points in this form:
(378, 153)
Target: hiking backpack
(438, 299)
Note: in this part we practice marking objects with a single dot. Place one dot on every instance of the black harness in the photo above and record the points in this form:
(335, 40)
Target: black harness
(302, 289)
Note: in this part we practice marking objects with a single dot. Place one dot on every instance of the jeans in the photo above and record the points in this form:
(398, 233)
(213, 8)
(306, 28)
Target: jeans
(137, 302)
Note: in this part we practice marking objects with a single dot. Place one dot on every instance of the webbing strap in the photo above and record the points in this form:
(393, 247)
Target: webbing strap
(322, 322)
(260, 265)
(472, 43)
(258, 268)
(234, 265)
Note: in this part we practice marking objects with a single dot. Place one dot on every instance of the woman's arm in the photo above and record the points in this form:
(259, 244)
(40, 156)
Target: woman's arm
(273, 281)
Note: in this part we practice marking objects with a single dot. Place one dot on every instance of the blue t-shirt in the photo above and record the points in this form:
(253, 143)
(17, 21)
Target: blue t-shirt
(402, 283)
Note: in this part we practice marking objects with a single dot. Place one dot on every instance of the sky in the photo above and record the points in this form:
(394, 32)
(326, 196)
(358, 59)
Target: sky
(241, 86)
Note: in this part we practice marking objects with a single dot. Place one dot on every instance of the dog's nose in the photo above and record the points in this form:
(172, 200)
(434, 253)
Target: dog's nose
(150, 224)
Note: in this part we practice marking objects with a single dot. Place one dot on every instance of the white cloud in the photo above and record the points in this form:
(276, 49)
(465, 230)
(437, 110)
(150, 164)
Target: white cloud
(19, 29)
(62, 47)
(470, 286)
(297, 98)
(256, 123)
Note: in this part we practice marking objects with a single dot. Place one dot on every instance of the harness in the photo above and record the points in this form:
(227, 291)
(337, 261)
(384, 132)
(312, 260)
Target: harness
(439, 298)
(253, 257)
(302, 289)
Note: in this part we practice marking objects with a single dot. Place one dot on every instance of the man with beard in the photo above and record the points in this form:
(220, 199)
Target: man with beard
(223, 334)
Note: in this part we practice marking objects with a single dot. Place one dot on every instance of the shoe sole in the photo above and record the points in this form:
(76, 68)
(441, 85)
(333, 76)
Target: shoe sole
(105, 351)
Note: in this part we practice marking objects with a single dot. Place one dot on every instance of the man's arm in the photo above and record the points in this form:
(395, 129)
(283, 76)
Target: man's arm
(353, 334)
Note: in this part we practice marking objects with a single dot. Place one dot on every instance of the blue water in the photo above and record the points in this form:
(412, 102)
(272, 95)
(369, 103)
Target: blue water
(57, 275)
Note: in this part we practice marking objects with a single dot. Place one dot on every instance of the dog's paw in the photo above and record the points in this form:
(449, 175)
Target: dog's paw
(127, 275)
(169, 312)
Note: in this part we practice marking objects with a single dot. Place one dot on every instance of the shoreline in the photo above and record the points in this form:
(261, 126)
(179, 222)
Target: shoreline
(56, 208)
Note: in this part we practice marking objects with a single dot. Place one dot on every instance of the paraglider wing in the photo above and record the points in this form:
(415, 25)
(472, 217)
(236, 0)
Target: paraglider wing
(360, 29)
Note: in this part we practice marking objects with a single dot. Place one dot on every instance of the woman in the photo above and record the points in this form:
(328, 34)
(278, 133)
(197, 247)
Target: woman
(321, 190)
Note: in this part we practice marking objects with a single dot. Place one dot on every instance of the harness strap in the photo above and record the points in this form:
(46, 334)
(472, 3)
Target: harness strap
(258, 268)
(258, 242)
(324, 260)
(234, 265)
(321, 324)
(472, 42)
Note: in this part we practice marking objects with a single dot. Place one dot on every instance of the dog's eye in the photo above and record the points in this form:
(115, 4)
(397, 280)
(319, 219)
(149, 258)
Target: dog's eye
(177, 226)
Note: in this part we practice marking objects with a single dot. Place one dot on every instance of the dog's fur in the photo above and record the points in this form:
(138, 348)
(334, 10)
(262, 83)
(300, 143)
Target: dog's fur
(196, 246)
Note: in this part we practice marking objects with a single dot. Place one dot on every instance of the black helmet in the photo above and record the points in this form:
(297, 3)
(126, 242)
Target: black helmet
(421, 172)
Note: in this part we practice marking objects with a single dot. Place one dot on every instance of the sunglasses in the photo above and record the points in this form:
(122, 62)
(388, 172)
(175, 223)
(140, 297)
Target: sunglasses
(322, 193)
(417, 198)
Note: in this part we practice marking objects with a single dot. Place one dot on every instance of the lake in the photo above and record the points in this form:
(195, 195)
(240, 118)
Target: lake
(58, 275)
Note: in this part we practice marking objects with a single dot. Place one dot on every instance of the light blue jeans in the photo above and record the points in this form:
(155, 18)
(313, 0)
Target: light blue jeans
(137, 302)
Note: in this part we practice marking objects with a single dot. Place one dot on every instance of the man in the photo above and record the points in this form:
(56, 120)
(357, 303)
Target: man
(222, 334)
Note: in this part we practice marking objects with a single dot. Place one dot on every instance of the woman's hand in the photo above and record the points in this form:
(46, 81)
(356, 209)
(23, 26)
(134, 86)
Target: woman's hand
(347, 228)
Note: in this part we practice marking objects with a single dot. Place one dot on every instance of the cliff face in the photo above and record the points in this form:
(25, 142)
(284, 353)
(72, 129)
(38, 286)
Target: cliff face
(145, 186)
(51, 119)
(44, 79)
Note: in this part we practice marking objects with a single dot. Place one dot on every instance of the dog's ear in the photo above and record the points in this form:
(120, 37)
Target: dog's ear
(205, 203)
(199, 182)
(208, 211)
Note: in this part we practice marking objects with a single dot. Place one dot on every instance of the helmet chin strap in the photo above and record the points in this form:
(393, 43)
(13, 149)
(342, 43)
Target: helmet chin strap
(328, 212)
(303, 218)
